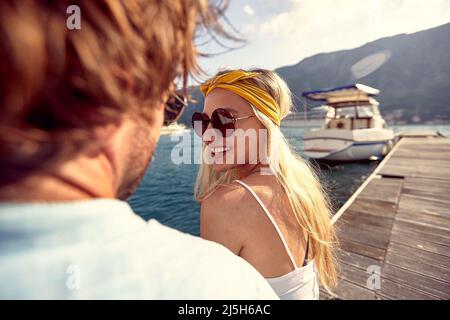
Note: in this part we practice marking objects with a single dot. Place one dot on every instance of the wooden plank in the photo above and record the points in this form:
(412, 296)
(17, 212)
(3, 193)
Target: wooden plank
(425, 146)
(425, 143)
(351, 291)
(414, 264)
(424, 224)
(411, 170)
(421, 228)
(367, 219)
(367, 240)
(429, 285)
(430, 205)
(435, 155)
(420, 243)
(443, 164)
(411, 158)
(375, 238)
(426, 187)
(382, 189)
(424, 218)
(432, 150)
(401, 291)
(439, 197)
(421, 255)
(426, 183)
(362, 249)
(419, 134)
(359, 261)
(417, 235)
(373, 207)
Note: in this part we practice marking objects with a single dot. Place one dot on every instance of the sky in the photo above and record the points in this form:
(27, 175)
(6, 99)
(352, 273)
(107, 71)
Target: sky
(283, 32)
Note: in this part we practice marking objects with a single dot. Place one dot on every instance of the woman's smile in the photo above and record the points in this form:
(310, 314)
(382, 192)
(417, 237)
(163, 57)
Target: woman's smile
(217, 152)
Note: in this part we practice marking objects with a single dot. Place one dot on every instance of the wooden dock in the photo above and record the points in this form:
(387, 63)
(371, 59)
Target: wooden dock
(394, 232)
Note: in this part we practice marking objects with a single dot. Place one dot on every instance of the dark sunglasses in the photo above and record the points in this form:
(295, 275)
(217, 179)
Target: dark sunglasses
(175, 106)
(221, 119)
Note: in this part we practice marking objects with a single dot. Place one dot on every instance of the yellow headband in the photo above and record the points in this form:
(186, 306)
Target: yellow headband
(234, 81)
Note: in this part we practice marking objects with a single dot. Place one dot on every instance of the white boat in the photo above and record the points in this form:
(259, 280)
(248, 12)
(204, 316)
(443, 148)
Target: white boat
(353, 128)
(173, 128)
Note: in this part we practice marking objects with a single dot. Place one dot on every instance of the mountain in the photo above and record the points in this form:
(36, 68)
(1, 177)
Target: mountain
(412, 72)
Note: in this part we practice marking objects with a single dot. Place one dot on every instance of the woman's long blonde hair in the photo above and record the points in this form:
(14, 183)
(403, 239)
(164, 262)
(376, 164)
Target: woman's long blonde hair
(305, 193)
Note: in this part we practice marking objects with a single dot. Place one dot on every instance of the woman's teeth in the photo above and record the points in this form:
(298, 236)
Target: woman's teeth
(217, 150)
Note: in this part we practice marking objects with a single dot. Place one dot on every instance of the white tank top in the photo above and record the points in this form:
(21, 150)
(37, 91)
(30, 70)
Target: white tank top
(299, 284)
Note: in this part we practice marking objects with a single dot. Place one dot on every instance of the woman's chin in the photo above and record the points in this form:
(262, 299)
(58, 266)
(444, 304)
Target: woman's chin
(220, 167)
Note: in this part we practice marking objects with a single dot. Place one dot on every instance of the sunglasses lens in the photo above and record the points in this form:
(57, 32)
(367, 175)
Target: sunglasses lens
(223, 120)
(174, 108)
(199, 123)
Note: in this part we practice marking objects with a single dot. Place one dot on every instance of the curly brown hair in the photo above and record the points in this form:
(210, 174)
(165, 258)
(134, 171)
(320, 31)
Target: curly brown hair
(57, 84)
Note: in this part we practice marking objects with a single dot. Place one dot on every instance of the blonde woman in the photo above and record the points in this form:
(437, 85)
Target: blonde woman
(267, 206)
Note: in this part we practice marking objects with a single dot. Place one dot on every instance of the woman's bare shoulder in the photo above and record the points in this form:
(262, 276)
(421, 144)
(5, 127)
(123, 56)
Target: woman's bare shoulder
(227, 201)
(223, 216)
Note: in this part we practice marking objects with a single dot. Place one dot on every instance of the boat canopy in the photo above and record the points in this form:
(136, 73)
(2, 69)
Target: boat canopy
(343, 95)
(354, 103)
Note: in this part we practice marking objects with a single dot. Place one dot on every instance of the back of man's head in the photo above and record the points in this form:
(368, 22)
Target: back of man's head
(63, 75)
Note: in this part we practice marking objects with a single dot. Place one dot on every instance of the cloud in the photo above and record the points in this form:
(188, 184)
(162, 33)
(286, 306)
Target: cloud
(283, 32)
(248, 10)
(249, 29)
(307, 27)
(355, 17)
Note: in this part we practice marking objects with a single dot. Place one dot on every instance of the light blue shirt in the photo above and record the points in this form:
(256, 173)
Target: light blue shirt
(100, 249)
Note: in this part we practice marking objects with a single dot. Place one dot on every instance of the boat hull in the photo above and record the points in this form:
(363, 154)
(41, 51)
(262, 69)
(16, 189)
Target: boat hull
(348, 145)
